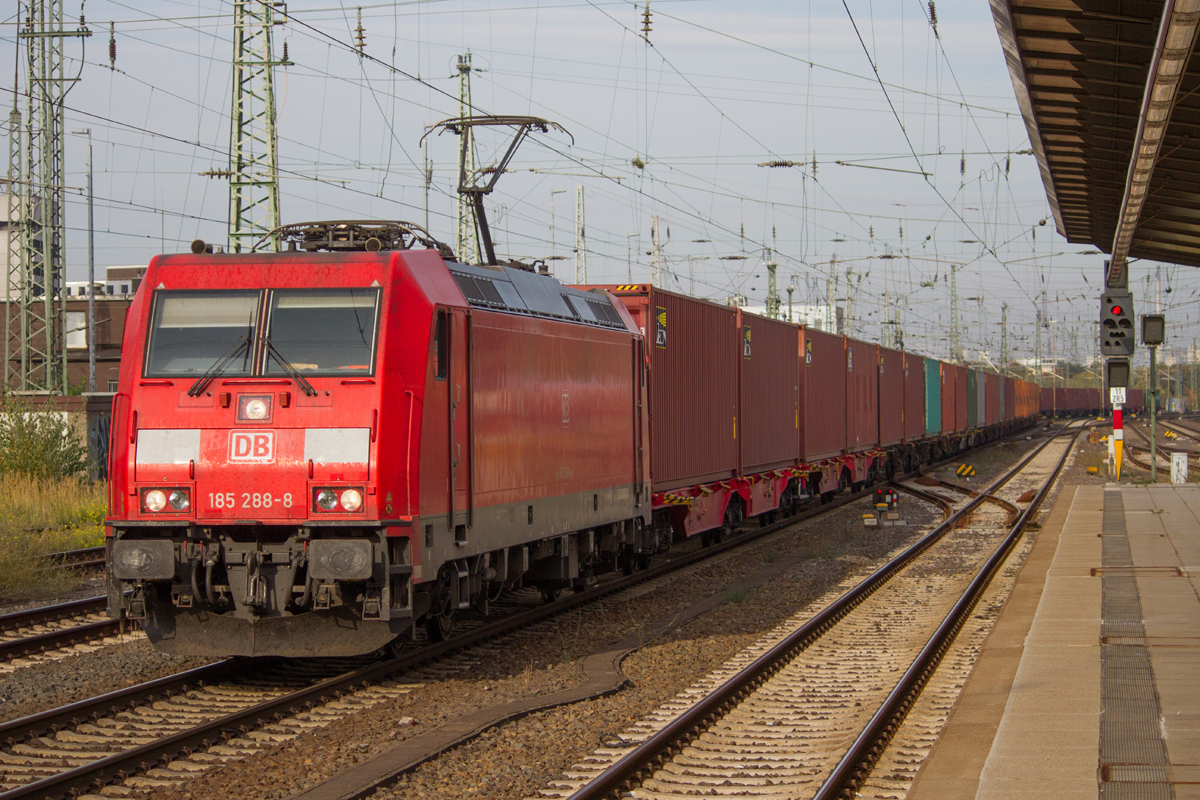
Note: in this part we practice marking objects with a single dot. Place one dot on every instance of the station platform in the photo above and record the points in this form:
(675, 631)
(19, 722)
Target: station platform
(1089, 684)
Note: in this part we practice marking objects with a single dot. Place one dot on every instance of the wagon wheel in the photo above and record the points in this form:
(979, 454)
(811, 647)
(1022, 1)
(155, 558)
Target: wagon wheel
(438, 626)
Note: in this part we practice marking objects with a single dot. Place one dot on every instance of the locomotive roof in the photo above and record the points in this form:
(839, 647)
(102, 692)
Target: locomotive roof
(519, 292)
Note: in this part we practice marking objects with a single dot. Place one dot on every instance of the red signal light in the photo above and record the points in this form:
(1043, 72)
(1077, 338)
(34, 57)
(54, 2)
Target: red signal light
(1117, 310)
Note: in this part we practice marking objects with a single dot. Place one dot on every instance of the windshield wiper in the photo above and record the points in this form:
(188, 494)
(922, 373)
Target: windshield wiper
(289, 368)
(239, 344)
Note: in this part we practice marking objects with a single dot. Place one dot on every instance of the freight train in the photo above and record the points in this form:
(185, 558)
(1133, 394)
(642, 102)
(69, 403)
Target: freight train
(319, 451)
(1075, 402)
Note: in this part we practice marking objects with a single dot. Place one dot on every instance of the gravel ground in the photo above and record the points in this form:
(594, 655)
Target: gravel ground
(514, 760)
(50, 684)
(90, 585)
(517, 758)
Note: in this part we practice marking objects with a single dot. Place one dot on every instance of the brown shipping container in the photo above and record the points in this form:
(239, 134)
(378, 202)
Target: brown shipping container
(1010, 399)
(862, 395)
(1046, 400)
(694, 352)
(992, 384)
(1094, 399)
(960, 398)
(1062, 401)
(914, 397)
(769, 419)
(1077, 399)
(823, 395)
(891, 396)
(948, 402)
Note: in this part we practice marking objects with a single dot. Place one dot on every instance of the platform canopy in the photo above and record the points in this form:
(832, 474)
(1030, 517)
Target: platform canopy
(1098, 83)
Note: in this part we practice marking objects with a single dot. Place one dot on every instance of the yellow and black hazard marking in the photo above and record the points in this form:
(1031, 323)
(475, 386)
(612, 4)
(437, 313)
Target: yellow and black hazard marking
(629, 288)
(676, 500)
(1171, 435)
(964, 471)
(1103, 440)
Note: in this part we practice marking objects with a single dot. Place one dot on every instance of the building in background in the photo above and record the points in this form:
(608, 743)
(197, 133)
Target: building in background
(113, 297)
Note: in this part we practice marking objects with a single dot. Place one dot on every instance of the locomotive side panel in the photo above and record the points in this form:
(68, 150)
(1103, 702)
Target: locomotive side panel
(769, 390)
(551, 407)
(891, 396)
(823, 381)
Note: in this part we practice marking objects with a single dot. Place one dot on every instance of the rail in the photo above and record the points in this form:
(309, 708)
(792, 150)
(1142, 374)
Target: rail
(85, 778)
(640, 760)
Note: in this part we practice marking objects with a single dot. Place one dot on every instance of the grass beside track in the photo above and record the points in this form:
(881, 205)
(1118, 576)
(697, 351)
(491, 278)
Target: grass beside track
(39, 516)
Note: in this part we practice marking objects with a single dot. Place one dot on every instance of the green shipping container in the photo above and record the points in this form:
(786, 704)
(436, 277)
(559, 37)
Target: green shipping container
(972, 399)
(933, 397)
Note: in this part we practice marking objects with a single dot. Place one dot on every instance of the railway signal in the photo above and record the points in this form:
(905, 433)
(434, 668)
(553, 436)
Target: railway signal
(1154, 329)
(1116, 323)
(1154, 333)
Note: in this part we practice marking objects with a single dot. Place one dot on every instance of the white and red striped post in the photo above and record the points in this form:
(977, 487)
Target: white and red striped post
(1118, 437)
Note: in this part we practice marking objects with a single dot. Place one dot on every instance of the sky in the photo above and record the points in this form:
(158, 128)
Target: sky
(902, 163)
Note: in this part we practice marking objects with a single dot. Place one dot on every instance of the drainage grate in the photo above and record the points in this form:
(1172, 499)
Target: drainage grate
(1133, 756)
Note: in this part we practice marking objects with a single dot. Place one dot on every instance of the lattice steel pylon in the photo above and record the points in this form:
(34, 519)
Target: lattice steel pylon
(580, 238)
(35, 354)
(466, 237)
(773, 299)
(253, 156)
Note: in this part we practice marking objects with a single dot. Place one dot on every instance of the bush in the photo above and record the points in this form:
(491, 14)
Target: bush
(39, 444)
(71, 508)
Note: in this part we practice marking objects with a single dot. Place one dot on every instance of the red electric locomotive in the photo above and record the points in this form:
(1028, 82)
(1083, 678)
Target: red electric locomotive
(314, 451)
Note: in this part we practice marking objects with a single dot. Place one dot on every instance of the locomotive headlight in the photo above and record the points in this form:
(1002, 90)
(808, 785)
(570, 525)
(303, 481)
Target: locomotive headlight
(352, 499)
(254, 408)
(179, 500)
(327, 499)
(155, 500)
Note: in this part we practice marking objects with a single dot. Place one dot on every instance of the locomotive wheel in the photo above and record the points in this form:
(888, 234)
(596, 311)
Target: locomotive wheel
(438, 626)
(628, 561)
(550, 593)
(440, 617)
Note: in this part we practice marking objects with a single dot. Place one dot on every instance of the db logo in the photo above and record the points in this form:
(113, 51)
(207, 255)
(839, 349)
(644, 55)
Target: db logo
(252, 446)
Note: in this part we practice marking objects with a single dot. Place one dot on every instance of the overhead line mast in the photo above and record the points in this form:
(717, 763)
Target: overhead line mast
(466, 238)
(36, 359)
(254, 158)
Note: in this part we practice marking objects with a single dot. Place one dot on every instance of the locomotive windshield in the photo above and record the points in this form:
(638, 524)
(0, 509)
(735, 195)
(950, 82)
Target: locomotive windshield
(191, 331)
(322, 331)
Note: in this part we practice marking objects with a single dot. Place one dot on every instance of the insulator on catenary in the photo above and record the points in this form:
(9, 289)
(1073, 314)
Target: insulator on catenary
(933, 17)
(360, 33)
(112, 46)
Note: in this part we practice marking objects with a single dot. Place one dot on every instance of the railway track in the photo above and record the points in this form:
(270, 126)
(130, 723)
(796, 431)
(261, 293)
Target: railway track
(85, 558)
(1140, 454)
(46, 630)
(192, 722)
(766, 723)
(199, 719)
